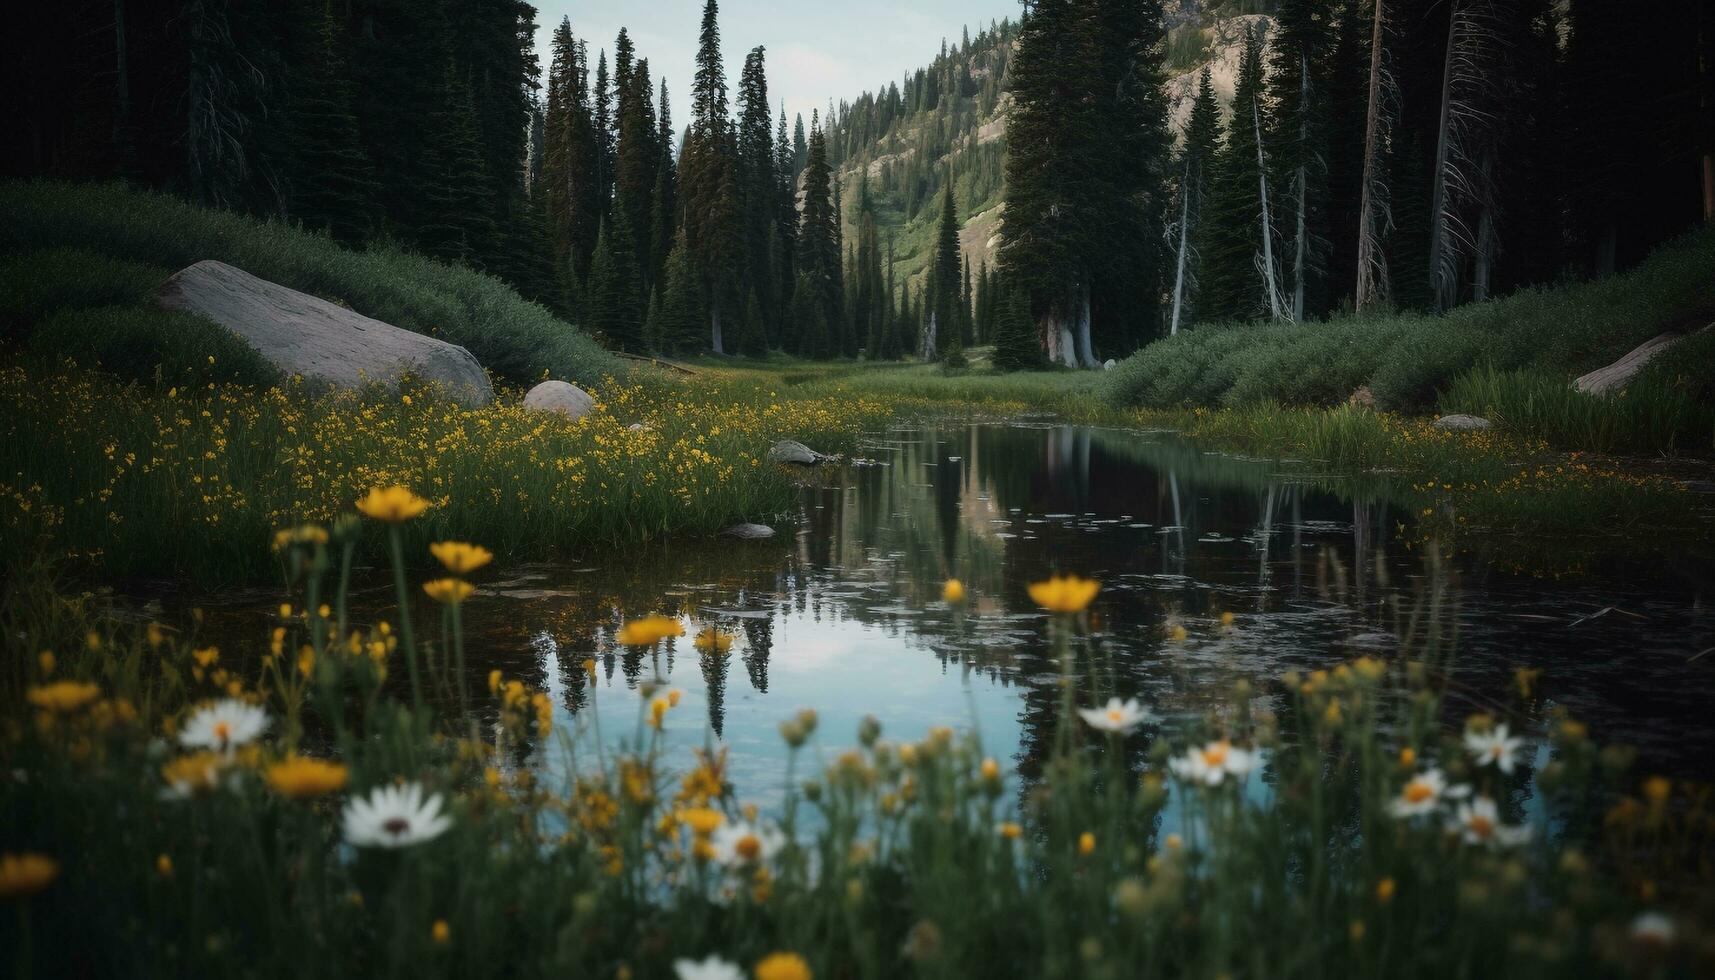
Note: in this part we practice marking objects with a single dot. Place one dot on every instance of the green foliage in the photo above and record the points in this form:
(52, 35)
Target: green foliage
(1408, 359)
(517, 340)
(1015, 345)
(1646, 416)
(35, 284)
(166, 347)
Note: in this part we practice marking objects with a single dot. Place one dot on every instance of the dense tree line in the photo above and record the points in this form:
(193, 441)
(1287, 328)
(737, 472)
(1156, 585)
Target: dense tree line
(1484, 146)
(1375, 153)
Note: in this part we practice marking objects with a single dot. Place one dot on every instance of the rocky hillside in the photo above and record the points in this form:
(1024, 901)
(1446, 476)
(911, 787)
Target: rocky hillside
(950, 117)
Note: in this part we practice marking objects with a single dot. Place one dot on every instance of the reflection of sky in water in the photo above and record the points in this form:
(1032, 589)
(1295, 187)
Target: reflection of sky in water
(841, 611)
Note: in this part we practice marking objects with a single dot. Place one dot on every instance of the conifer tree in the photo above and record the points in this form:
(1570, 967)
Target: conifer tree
(942, 327)
(1232, 286)
(1297, 93)
(614, 306)
(758, 187)
(1202, 135)
(636, 153)
(818, 254)
(681, 329)
(456, 213)
(709, 184)
(602, 120)
(332, 182)
(1015, 345)
(664, 199)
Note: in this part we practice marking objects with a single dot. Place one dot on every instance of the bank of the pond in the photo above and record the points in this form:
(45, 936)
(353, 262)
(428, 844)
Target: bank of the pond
(133, 480)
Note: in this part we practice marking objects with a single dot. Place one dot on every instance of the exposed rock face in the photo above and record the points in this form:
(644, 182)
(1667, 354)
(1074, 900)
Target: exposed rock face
(787, 451)
(1463, 423)
(301, 334)
(1226, 46)
(558, 396)
(748, 532)
(1614, 376)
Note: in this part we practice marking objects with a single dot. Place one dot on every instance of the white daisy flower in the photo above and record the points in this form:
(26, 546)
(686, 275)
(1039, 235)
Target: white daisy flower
(394, 816)
(1653, 928)
(711, 968)
(1479, 822)
(1213, 762)
(1117, 717)
(1494, 746)
(1424, 793)
(223, 725)
(744, 843)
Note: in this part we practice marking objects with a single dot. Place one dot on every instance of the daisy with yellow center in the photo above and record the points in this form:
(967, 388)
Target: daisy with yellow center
(26, 874)
(449, 591)
(1423, 794)
(746, 843)
(63, 697)
(1064, 593)
(649, 630)
(1495, 747)
(223, 725)
(1213, 763)
(302, 778)
(1479, 822)
(394, 505)
(461, 558)
(1118, 717)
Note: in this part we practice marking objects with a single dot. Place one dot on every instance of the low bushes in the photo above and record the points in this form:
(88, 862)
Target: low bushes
(1409, 359)
(99, 239)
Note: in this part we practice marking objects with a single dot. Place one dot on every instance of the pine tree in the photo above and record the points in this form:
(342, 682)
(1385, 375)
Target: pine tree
(758, 187)
(664, 199)
(615, 296)
(941, 330)
(681, 328)
(1015, 344)
(708, 183)
(1231, 287)
(1202, 135)
(1297, 94)
(818, 254)
(636, 156)
(456, 218)
(602, 120)
(332, 183)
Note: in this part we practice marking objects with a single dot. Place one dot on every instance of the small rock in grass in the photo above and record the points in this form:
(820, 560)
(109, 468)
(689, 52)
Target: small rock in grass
(787, 451)
(558, 396)
(748, 532)
(1463, 423)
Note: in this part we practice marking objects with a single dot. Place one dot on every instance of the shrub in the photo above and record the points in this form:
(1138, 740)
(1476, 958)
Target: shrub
(516, 339)
(136, 343)
(35, 284)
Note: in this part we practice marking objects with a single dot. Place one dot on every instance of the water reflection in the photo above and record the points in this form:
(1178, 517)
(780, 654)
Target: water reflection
(842, 611)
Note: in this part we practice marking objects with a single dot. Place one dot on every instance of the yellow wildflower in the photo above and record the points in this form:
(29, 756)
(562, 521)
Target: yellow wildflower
(1010, 830)
(164, 866)
(783, 966)
(1064, 594)
(702, 820)
(394, 505)
(63, 697)
(1086, 843)
(26, 874)
(301, 778)
(46, 660)
(650, 630)
(1384, 890)
(953, 591)
(449, 591)
(712, 640)
(441, 932)
(461, 558)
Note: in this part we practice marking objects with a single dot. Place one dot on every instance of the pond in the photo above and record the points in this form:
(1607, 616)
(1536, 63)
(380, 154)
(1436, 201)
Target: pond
(1212, 569)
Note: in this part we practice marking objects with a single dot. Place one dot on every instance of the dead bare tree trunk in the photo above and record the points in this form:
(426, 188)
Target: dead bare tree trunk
(1184, 243)
(1086, 352)
(1276, 309)
(1372, 284)
(1443, 263)
(1303, 188)
(1483, 259)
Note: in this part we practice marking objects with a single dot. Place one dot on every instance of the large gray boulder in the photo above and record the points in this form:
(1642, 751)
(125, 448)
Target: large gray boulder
(1463, 423)
(303, 335)
(1614, 376)
(559, 396)
(748, 532)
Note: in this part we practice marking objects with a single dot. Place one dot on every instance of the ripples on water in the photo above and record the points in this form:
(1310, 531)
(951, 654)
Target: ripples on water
(841, 611)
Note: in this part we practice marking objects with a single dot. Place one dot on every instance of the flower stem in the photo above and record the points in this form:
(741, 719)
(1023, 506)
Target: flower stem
(398, 554)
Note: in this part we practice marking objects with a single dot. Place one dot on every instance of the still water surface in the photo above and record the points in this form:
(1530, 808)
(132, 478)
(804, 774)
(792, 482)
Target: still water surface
(841, 611)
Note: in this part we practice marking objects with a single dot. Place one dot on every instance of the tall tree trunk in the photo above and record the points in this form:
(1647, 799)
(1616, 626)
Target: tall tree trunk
(715, 326)
(1184, 240)
(1372, 264)
(1086, 352)
(1303, 188)
(1275, 310)
(1484, 257)
(929, 337)
(1443, 262)
(1057, 338)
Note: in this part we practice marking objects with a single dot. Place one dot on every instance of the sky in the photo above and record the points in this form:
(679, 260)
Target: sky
(816, 50)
